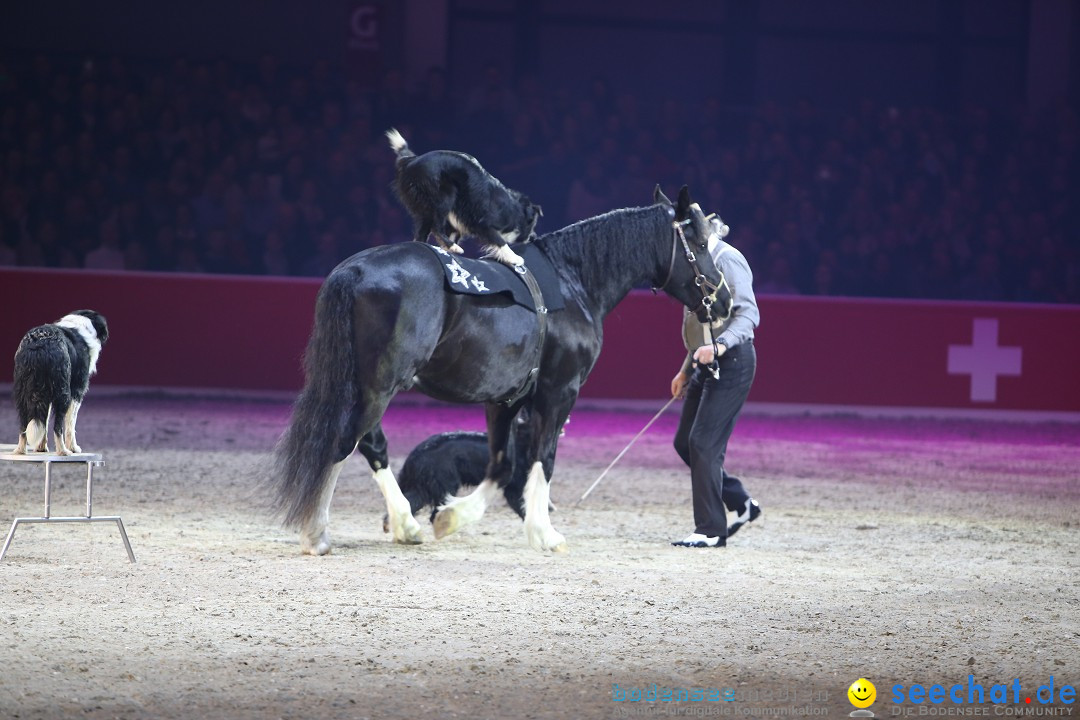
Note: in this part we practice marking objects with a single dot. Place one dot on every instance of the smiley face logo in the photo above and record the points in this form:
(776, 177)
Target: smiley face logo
(862, 693)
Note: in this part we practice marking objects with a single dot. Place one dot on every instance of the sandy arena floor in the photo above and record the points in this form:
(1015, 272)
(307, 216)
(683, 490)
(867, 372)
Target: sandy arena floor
(900, 551)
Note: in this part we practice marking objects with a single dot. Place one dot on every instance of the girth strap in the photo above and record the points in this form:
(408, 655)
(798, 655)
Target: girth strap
(538, 349)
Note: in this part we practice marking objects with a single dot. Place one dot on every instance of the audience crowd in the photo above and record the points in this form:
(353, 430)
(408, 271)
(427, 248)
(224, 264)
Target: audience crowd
(224, 168)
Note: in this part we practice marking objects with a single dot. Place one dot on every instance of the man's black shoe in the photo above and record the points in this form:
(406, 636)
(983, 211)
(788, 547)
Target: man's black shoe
(750, 512)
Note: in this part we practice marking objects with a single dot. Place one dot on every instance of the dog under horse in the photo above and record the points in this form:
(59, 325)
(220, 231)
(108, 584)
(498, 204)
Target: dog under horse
(384, 322)
(441, 465)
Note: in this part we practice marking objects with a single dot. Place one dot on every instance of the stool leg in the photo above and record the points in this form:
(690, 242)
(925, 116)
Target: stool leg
(10, 536)
(124, 537)
(89, 488)
(48, 489)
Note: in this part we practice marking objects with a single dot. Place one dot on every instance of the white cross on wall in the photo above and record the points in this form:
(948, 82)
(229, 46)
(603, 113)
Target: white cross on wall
(984, 360)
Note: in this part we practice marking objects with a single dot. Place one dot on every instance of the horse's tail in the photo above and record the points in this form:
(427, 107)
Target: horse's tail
(320, 432)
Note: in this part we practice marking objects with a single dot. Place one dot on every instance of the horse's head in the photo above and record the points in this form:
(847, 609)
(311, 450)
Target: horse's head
(692, 277)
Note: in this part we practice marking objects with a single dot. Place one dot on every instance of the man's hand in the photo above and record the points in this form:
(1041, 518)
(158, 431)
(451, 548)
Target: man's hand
(706, 354)
(678, 385)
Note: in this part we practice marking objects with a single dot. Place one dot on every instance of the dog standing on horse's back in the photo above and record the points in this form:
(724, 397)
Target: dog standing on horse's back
(53, 366)
(449, 194)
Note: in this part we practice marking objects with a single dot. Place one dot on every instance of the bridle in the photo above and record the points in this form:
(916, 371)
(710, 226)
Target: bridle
(708, 289)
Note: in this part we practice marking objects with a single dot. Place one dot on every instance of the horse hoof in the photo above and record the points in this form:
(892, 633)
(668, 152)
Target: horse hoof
(408, 531)
(548, 540)
(319, 546)
(446, 523)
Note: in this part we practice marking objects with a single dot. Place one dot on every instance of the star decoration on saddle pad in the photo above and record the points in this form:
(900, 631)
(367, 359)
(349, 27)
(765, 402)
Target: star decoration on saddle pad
(478, 284)
(460, 274)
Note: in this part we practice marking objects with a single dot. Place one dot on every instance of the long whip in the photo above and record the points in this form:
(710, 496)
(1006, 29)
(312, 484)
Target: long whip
(623, 452)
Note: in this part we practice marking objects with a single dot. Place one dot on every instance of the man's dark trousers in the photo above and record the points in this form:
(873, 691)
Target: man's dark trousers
(708, 417)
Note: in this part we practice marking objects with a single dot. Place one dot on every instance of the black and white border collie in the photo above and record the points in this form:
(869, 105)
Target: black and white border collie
(449, 194)
(443, 464)
(53, 366)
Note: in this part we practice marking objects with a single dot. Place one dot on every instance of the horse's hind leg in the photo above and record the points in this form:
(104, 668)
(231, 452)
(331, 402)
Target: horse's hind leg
(314, 536)
(402, 523)
(400, 519)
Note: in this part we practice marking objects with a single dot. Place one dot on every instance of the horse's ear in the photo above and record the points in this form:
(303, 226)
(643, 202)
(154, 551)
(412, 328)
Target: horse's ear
(682, 209)
(658, 196)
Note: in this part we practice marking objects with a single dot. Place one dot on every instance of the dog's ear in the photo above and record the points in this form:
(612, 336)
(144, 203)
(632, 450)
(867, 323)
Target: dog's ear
(659, 196)
(682, 208)
(102, 328)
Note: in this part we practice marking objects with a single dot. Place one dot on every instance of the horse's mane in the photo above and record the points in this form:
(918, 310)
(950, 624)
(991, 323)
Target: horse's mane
(613, 243)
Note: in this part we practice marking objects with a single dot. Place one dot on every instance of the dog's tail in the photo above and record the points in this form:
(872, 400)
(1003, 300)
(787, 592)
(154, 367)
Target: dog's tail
(398, 144)
(35, 433)
(322, 429)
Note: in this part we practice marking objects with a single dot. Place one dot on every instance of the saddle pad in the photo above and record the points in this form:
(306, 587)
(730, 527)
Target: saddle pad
(485, 277)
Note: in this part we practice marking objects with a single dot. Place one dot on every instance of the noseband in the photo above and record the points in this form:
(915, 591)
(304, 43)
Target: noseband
(708, 290)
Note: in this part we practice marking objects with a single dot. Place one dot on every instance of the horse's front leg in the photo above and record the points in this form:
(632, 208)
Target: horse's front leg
(460, 512)
(404, 526)
(538, 529)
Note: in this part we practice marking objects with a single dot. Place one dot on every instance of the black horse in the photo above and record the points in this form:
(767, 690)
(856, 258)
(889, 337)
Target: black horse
(384, 322)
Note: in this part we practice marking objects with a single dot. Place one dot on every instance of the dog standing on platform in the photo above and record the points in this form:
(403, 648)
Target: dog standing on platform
(53, 366)
(449, 194)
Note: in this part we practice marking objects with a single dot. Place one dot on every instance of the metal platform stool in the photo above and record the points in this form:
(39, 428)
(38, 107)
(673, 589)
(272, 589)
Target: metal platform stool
(91, 460)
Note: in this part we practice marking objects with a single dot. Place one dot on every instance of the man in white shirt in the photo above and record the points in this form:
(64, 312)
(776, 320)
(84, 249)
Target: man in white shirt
(715, 379)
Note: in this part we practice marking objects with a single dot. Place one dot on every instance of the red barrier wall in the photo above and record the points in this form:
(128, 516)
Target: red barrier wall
(201, 331)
